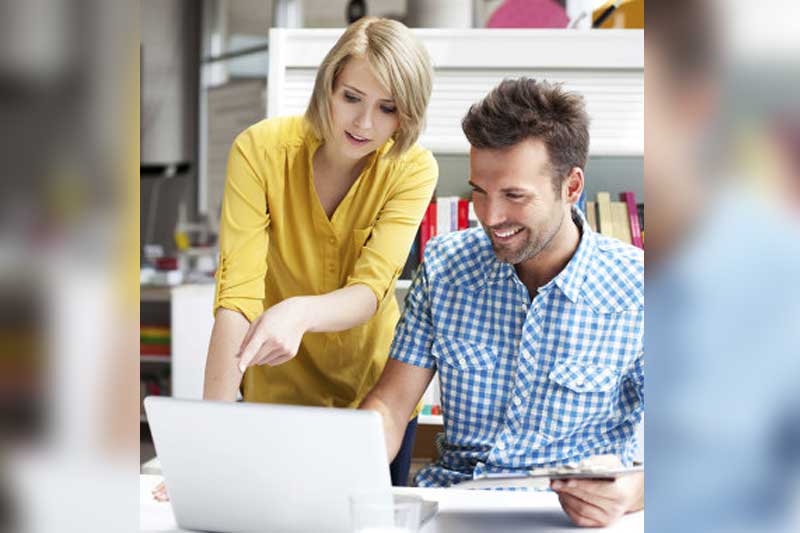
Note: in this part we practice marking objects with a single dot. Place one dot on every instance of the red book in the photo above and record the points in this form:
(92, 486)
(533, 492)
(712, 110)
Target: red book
(154, 349)
(633, 215)
(463, 213)
(427, 228)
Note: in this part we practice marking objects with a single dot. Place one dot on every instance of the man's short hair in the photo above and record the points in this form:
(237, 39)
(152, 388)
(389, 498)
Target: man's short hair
(520, 109)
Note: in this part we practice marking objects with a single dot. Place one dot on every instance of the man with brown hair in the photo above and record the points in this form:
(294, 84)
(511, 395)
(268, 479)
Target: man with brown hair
(534, 322)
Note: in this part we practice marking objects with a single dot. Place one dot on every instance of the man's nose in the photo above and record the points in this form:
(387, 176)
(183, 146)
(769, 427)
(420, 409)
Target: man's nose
(494, 214)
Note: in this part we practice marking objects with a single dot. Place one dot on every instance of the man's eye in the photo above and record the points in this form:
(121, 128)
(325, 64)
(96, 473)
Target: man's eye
(513, 196)
(350, 98)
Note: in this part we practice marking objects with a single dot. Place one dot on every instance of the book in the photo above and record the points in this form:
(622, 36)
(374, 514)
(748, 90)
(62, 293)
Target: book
(154, 349)
(472, 218)
(541, 477)
(463, 213)
(454, 213)
(591, 215)
(443, 215)
(622, 227)
(427, 228)
(640, 212)
(605, 221)
(633, 216)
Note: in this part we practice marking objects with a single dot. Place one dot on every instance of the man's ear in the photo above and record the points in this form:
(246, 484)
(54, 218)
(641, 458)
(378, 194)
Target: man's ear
(573, 185)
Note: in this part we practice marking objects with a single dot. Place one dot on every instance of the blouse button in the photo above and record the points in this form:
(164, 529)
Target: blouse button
(332, 240)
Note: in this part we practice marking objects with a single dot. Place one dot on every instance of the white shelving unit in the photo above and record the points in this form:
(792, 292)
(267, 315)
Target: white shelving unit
(606, 67)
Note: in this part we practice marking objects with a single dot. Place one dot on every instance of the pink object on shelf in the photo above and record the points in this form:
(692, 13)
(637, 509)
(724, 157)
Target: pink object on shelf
(529, 14)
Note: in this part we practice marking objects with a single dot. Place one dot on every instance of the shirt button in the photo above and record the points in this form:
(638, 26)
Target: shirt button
(525, 393)
(517, 401)
(332, 240)
(501, 445)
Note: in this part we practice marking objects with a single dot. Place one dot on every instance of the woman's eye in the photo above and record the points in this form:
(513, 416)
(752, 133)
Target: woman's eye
(388, 109)
(350, 98)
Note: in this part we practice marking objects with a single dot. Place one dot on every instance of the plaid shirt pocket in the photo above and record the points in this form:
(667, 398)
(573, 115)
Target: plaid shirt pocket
(577, 394)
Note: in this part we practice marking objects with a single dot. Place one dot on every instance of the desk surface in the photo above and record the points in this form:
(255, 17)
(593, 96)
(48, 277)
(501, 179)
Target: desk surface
(462, 511)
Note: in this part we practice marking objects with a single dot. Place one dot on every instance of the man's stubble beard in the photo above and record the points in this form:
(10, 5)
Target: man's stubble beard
(529, 250)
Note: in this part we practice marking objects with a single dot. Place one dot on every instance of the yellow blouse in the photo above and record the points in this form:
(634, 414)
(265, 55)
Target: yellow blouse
(277, 242)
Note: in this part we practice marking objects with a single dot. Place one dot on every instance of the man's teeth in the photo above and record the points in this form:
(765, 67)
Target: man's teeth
(508, 233)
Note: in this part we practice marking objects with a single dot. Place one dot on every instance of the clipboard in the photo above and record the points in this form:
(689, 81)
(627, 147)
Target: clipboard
(541, 477)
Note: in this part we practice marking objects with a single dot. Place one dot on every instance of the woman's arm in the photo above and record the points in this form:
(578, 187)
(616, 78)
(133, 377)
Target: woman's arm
(222, 376)
(340, 309)
(274, 337)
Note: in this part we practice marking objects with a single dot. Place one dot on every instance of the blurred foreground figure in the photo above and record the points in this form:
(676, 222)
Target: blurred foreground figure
(69, 150)
(723, 300)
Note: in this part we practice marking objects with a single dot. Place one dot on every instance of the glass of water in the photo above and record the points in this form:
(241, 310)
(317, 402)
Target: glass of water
(383, 512)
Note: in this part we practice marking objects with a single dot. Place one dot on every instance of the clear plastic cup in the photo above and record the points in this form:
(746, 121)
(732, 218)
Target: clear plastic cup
(383, 512)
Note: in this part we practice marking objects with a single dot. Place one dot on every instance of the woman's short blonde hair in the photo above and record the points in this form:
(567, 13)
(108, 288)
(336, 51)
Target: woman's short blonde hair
(400, 63)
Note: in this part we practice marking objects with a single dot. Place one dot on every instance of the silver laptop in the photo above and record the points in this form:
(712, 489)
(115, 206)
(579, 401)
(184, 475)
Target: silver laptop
(258, 467)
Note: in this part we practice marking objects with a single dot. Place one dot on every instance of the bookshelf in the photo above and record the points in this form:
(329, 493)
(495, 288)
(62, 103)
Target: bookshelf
(186, 311)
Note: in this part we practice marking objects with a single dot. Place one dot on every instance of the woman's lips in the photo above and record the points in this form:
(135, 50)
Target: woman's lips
(356, 140)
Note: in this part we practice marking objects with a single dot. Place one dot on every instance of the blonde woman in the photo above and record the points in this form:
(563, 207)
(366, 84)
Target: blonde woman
(318, 216)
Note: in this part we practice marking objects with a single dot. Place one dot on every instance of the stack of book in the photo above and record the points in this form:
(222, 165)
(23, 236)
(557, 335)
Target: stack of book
(444, 215)
(623, 219)
(154, 340)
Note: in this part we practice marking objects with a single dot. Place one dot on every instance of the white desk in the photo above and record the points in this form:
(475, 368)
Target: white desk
(460, 511)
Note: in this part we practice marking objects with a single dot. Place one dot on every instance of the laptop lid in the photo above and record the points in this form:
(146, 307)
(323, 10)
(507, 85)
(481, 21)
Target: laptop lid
(262, 467)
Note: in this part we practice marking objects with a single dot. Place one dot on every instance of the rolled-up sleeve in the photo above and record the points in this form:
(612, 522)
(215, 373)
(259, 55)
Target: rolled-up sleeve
(386, 250)
(415, 332)
(243, 240)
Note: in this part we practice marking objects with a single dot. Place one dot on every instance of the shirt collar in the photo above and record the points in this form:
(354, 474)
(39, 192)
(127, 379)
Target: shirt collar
(571, 278)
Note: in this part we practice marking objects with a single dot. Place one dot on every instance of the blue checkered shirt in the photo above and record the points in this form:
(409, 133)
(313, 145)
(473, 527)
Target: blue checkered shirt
(528, 383)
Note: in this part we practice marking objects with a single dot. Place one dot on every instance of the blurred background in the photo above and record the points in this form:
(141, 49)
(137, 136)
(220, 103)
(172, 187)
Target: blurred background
(84, 204)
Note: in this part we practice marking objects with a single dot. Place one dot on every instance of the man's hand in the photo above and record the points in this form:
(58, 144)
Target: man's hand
(274, 337)
(598, 503)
